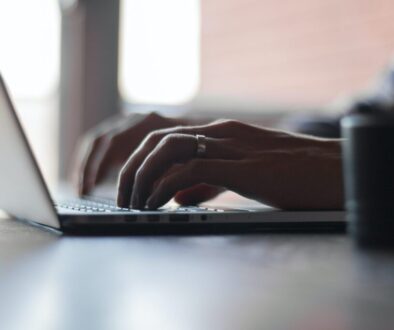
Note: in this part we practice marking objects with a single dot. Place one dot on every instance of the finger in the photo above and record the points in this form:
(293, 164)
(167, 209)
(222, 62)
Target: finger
(197, 194)
(221, 173)
(217, 129)
(193, 195)
(103, 161)
(110, 155)
(86, 173)
(121, 143)
(91, 147)
(173, 149)
(88, 151)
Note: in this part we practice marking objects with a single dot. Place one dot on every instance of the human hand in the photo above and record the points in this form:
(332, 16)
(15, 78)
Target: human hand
(108, 146)
(277, 168)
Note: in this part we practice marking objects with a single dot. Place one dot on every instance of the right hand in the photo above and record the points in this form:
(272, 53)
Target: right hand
(108, 146)
(280, 169)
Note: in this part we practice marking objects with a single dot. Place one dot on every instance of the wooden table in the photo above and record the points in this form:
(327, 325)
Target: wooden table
(268, 281)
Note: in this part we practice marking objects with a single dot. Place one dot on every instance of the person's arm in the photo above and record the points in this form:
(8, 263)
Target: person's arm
(277, 168)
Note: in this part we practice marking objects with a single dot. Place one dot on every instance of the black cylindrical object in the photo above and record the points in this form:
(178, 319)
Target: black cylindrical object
(368, 158)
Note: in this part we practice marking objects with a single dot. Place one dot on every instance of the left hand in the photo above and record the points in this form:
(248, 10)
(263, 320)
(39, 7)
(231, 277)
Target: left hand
(277, 168)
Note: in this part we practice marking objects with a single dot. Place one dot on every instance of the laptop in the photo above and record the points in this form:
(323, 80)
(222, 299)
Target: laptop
(25, 196)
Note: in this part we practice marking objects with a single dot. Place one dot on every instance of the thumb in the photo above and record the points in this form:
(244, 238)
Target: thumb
(197, 194)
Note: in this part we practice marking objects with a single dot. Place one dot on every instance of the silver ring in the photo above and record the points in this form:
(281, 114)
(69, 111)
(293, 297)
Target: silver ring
(201, 145)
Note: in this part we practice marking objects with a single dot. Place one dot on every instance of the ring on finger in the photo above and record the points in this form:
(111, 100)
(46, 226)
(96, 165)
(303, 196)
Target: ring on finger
(201, 145)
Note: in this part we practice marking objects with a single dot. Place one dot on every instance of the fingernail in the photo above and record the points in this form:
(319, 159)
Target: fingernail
(151, 203)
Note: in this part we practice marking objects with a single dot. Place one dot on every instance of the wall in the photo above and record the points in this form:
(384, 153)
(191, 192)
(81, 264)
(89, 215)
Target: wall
(293, 51)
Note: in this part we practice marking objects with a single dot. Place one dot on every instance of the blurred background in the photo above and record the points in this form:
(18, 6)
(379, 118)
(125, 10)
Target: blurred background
(71, 63)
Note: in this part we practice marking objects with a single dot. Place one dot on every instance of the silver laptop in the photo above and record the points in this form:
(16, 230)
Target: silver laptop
(25, 196)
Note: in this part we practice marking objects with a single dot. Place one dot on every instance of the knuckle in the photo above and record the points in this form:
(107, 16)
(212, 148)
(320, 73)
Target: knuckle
(232, 123)
(153, 138)
(227, 123)
(97, 133)
(170, 140)
(93, 134)
(92, 139)
(105, 139)
(111, 140)
(153, 115)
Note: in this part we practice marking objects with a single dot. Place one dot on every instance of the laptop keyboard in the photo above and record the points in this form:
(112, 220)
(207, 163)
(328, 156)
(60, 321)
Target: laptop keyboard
(98, 205)
(90, 205)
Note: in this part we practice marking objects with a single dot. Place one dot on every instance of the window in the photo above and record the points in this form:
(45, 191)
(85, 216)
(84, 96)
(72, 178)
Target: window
(234, 52)
(159, 51)
(29, 62)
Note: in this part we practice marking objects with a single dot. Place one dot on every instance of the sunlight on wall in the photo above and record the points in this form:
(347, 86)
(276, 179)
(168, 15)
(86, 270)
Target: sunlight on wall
(159, 50)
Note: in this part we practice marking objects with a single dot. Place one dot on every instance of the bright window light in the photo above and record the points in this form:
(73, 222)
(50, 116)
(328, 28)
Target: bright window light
(29, 63)
(159, 50)
(29, 43)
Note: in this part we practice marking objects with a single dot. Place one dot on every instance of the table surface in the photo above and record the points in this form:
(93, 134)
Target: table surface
(267, 281)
